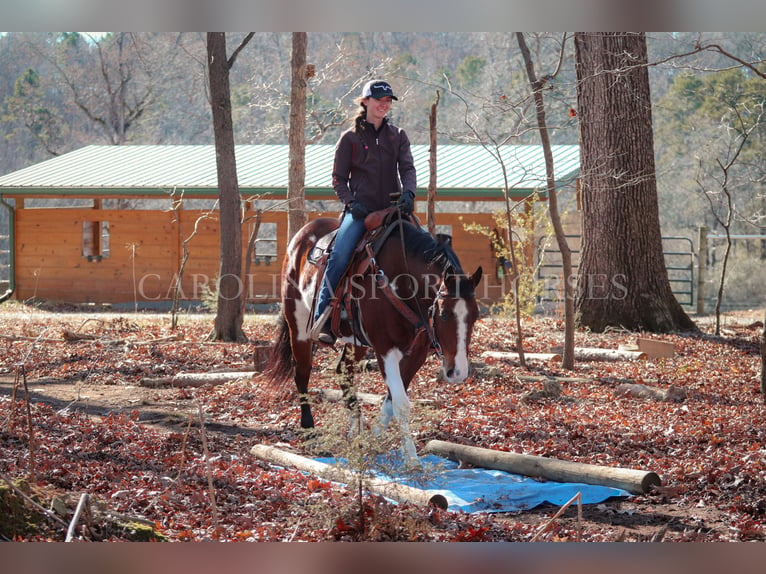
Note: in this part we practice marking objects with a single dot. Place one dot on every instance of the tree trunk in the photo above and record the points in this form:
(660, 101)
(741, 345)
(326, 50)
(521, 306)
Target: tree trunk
(296, 212)
(229, 316)
(553, 209)
(623, 281)
(431, 198)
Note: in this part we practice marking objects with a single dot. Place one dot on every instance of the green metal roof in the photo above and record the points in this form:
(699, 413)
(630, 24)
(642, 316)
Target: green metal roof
(462, 170)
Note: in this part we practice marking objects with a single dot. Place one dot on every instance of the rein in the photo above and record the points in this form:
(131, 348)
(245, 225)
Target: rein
(420, 320)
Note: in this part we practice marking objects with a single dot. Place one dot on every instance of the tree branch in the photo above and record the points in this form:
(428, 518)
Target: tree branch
(235, 53)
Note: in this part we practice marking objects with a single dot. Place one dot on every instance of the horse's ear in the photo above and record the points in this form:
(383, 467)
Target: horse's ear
(476, 277)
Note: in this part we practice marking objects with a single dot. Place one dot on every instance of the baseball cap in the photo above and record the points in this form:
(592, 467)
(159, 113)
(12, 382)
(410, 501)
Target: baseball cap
(378, 89)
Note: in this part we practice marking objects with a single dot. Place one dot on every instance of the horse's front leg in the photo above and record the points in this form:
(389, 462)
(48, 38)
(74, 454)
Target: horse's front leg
(397, 403)
(344, 368)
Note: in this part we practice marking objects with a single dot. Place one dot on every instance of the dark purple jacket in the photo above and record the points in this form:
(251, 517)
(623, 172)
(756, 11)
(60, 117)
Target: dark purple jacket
(373, 168)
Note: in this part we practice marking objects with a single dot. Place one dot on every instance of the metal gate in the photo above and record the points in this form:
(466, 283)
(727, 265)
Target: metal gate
(679, 261)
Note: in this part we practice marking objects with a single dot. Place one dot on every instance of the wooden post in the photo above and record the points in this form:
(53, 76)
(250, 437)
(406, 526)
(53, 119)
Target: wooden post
(635, 481)
(398, 492)
(701, 263)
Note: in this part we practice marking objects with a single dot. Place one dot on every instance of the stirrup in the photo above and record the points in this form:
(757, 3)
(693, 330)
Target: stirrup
(326, 338)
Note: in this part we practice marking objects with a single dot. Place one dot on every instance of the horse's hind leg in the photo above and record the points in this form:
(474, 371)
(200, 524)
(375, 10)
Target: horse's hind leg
(344, 368)
(302, 355)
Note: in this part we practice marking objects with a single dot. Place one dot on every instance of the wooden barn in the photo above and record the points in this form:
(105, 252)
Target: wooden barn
(114, 224)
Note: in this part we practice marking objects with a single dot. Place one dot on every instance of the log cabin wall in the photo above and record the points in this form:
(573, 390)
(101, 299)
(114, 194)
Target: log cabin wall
(125, 255)
(73, 239)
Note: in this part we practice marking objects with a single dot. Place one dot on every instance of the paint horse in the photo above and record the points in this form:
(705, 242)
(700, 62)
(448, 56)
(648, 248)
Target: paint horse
(404, 295)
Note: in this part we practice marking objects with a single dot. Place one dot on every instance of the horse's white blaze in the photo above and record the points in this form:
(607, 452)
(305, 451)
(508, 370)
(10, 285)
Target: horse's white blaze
(399, 406)
(461, 367)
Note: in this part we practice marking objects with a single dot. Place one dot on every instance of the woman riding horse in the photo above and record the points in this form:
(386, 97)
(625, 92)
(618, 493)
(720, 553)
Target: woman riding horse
(410, 298)
(370, 160)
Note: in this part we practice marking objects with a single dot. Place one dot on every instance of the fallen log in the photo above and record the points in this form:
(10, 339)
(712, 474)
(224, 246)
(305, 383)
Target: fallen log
(635, 481)
(336, 395)
(198, 379)
(598, 354)
(511, 356)
(392, 490)
(73, 337)
(671, 394)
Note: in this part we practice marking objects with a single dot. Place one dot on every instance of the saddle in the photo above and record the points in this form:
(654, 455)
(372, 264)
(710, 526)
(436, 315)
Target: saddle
(379, 225)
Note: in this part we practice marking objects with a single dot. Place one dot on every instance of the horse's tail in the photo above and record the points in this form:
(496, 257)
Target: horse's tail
(281, 365)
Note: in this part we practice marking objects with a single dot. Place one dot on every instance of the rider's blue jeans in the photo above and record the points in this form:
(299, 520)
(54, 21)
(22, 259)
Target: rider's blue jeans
(349, 233)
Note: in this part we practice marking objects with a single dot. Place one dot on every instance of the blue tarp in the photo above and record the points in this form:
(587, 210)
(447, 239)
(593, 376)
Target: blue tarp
(486, 490)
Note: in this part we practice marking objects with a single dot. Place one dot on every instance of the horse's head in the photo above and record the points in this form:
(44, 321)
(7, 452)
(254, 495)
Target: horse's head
(454, 313)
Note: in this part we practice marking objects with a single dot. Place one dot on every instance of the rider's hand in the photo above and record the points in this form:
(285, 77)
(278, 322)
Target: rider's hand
(358, 210)
(406, 202)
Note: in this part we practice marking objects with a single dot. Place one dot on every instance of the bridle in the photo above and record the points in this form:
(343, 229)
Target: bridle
(422, 321)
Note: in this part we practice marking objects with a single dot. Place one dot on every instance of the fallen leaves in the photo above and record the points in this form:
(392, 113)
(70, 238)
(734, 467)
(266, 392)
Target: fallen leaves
(707, 443)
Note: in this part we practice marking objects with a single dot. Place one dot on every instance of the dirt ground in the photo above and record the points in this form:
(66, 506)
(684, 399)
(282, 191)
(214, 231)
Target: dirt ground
(160, 408)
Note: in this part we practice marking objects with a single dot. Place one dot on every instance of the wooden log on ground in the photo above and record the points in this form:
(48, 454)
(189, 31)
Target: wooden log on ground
(392, 490)
(198, 379)
(336, 395)
(635, 481)
(511, 356)
(598, 354)
(671, 394)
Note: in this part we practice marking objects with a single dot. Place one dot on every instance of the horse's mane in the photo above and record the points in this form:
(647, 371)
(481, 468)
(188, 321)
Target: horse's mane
(421, 244)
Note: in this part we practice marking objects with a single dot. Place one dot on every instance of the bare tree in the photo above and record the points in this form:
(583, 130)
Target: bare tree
(623, 280)
(175, 206)
(116, 91)
(735, 145)
(482, 135)
(553, 209)
(229, 315)
(325, 111)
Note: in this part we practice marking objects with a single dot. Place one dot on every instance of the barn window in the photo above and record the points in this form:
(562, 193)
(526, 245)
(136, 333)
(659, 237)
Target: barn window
(265, 244)
(95, 240)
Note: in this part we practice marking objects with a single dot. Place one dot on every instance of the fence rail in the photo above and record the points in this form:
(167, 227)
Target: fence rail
(679, 261)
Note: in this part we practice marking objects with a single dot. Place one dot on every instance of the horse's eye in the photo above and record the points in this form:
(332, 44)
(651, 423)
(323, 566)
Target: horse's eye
(445, 315)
